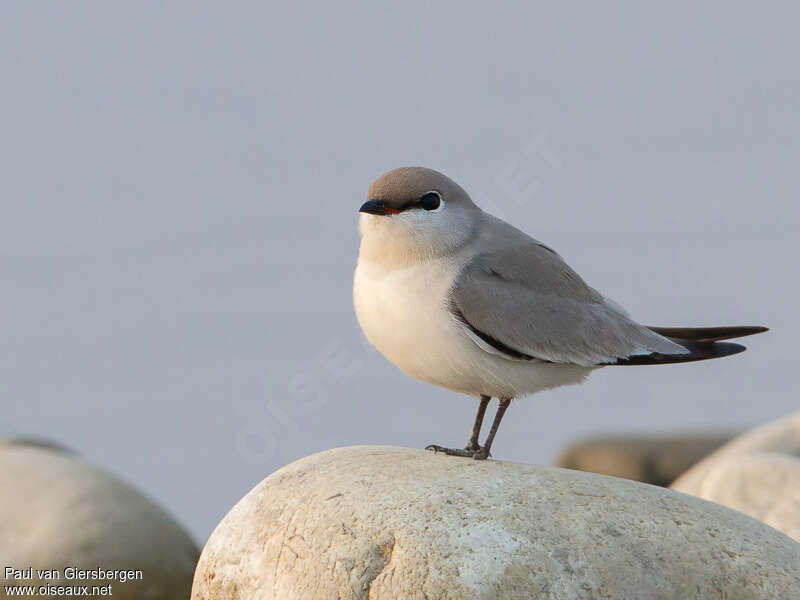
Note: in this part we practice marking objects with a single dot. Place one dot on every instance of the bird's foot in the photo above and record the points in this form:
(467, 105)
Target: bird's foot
(479, 453)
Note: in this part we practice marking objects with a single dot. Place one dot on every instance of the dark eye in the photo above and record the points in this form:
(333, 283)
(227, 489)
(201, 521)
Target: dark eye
(430, 201)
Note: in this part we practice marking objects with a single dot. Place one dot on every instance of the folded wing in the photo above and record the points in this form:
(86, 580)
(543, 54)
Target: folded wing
(523, 302)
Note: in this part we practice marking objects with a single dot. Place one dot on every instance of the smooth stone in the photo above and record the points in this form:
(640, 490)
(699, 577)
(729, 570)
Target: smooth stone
(656, 459)
(757, 473)
(370, 522)
(60, 512)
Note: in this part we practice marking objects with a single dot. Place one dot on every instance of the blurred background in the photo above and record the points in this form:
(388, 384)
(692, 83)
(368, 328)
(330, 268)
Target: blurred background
(180, 186)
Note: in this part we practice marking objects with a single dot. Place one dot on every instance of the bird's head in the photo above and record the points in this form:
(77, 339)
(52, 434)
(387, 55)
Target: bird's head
(414, 212)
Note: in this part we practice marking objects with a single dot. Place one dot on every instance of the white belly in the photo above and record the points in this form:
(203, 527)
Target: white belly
(404, 314)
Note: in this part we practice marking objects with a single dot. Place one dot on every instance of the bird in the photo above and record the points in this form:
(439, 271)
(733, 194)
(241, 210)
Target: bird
(461, 299)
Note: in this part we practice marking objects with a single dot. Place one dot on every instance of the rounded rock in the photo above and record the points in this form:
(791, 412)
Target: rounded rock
(386, 523)
(59, 513)
(656, 459)
(757, 473)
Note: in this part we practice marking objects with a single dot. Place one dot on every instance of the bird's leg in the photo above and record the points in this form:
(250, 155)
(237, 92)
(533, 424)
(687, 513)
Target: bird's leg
(484, 452)
(473, 444)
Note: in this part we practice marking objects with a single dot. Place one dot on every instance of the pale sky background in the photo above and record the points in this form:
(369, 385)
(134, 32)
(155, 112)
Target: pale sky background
(180, 186)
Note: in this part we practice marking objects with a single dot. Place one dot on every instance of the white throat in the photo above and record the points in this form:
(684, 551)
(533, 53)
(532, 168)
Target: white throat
(411, 238)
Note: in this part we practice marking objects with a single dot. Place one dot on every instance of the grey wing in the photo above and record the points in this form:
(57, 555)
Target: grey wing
(524, 302)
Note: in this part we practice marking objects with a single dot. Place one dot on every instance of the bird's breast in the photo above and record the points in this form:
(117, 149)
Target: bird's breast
(403, 313)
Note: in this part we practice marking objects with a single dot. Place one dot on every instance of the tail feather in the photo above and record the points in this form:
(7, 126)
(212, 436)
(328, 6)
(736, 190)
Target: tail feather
(708, 334)
(701, 343)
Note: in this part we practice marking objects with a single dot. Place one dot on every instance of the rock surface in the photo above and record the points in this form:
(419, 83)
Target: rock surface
(656, 459)
(758, 473)
(394, 523)
(59, 512)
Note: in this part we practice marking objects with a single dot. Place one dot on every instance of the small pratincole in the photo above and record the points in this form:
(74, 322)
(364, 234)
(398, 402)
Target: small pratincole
(461, 299)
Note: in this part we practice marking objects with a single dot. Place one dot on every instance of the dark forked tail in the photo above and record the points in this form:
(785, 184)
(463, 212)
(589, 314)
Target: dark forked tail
(701, 342)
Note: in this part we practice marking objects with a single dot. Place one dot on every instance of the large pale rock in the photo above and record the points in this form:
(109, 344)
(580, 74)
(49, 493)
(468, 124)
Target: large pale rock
(59, 512)
(392, 523)
(656, 459)
(758, 473)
